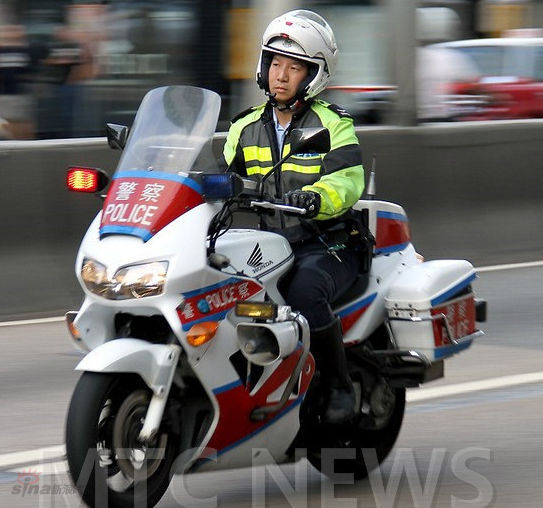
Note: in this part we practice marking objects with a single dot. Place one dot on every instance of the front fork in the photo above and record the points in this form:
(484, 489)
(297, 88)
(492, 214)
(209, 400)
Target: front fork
(155, 412)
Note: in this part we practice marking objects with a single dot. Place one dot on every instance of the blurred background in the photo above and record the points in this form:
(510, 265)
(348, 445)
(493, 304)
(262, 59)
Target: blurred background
(67, 67)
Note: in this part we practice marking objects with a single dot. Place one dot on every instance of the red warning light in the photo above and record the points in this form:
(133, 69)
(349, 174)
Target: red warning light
(84, 179)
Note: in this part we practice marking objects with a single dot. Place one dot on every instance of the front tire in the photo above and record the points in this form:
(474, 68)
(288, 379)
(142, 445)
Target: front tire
(107, 463)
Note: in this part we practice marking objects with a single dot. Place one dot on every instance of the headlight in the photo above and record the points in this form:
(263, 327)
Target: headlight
(138, 281)
(95, 277)
(134, 281)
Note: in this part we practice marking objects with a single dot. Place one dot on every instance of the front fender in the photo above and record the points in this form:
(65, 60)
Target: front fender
(153, 362)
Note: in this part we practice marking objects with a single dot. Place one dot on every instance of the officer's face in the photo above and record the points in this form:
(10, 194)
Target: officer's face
(285, 76)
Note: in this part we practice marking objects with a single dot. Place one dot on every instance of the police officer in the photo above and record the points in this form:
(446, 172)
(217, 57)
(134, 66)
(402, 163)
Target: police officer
(298, 58)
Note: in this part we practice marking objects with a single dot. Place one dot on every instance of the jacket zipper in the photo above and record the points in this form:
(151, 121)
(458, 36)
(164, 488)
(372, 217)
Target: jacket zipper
(276, 156)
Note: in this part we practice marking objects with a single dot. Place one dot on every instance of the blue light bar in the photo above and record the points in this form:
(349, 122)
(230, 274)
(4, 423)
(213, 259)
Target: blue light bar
(219, 185)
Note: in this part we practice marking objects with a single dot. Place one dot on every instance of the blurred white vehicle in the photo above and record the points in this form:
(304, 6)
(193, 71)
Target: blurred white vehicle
(439, 72)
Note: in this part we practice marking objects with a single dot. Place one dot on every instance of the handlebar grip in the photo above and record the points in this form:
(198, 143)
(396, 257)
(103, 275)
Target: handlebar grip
(278, 206)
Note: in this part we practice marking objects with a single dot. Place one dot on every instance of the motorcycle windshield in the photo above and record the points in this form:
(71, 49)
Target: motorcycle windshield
(171, 136)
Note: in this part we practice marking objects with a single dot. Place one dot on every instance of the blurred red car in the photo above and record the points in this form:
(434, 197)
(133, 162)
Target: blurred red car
(511, 82)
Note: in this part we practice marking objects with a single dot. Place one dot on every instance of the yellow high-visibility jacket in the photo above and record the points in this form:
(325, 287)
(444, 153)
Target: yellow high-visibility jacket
(337, 176)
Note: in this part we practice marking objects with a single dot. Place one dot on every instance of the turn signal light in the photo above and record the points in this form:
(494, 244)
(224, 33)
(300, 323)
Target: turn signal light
(201, 333)
(86, 179)
(70, 318)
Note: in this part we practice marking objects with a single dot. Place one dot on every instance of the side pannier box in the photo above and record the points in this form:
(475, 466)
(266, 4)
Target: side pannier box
(431, 308)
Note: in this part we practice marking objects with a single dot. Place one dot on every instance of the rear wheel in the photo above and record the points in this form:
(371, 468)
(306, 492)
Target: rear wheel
(370, 436)
(108, 464)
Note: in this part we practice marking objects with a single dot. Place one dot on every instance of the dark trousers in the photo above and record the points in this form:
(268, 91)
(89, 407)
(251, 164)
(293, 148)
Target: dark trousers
(317, 279)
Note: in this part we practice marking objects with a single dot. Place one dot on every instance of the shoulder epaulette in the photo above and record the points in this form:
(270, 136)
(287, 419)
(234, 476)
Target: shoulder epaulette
(338, 110)
(242, 114)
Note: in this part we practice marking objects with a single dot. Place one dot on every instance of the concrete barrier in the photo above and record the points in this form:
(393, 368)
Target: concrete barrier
(43, 223)
(471, 191)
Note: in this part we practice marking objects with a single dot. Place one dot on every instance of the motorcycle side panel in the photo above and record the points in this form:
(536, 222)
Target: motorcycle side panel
(260, 254)
(265, 445)
(361, 316)
(233, 434)
(393, 253)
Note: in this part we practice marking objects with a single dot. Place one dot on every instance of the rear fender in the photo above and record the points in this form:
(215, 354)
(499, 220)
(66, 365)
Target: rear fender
(154, 363)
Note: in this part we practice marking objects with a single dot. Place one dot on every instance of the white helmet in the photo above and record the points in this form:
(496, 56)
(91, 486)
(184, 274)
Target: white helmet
(303, 35)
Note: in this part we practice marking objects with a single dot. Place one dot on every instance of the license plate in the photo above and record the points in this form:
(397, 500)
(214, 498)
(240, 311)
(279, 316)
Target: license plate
(460, 316)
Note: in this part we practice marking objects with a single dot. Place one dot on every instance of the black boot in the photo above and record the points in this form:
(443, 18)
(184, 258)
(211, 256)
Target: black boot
(327, 347)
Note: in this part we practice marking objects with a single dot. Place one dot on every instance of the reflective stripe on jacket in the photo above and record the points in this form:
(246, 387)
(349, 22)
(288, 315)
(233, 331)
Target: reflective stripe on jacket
(337, 176)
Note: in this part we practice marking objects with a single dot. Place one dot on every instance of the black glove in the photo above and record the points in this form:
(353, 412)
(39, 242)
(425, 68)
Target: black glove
(311, 201)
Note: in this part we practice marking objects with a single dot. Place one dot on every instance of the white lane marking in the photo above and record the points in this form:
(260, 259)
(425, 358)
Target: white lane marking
(421, 394)
(46, 468)
(39, 454)
(512, 266)
(40, 321)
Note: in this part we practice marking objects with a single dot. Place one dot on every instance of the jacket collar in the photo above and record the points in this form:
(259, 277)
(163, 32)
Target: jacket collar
(267, 116)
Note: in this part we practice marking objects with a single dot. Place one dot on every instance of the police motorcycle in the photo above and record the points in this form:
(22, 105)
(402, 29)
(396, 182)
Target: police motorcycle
(194, 362)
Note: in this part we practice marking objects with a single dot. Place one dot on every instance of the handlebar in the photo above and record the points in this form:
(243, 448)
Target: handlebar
(278, 206)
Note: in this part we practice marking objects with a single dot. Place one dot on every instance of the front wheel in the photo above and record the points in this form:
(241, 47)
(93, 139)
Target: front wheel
(107, 462)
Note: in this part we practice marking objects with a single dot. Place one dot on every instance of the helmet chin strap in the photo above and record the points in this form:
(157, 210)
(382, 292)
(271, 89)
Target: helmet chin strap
(271, 99)
(292, 105)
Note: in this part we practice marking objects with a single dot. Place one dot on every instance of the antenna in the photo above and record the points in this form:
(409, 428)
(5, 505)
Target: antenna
(370, 191)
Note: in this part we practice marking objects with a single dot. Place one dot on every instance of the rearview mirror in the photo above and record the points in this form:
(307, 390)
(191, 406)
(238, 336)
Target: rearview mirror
(315, 139)
(116, 135)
